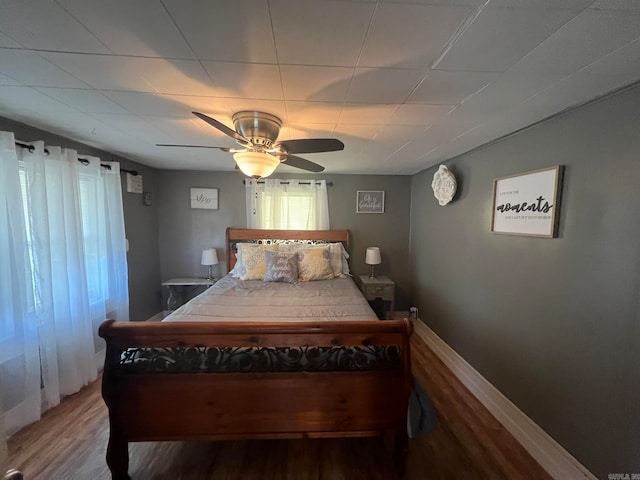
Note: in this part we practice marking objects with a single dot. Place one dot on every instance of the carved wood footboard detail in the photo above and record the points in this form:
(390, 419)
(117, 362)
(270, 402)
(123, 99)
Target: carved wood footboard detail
(229, 380)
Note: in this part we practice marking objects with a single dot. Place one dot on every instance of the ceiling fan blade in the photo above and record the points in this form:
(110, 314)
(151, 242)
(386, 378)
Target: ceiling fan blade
(302, 163)
(223, 128)
(224, 149)
(311, 145)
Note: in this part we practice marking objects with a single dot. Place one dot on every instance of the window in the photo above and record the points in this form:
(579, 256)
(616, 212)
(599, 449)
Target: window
(287, 204)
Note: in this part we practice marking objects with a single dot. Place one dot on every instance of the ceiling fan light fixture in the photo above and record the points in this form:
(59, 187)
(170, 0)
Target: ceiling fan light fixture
(256, 164)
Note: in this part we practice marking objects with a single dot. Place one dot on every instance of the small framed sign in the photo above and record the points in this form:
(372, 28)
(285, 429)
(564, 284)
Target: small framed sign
(370, 201)
(527, 203)
(206, 198)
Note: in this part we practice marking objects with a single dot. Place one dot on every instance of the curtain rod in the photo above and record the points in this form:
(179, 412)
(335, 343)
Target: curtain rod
(329, 184)
(82, 160)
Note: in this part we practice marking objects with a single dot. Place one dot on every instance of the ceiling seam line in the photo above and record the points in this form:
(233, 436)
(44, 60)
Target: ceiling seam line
(357, 63)
(464, 26)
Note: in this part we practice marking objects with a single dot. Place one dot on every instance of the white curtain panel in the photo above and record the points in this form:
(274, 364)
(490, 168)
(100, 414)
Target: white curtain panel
(287, 204)
(70, 244)
(19, 357)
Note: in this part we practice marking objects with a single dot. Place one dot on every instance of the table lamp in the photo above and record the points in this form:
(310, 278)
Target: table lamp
(373, 258)
(210, 258)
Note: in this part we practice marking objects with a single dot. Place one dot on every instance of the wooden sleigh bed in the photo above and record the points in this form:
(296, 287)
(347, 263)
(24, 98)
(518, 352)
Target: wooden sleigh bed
(225, 380)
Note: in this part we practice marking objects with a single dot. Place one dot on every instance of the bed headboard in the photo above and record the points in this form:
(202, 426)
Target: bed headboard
(239, 235)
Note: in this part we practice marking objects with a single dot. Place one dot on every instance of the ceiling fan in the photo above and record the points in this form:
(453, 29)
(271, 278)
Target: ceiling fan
(259, 153)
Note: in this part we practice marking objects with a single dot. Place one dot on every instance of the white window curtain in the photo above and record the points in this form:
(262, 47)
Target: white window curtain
(62, 242)
(287, 204)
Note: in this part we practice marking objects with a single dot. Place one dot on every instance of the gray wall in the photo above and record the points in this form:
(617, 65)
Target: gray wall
(185, 232)
(552, 323)
(141, 223)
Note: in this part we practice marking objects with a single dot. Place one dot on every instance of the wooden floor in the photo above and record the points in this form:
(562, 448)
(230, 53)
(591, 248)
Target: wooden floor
(468, 443)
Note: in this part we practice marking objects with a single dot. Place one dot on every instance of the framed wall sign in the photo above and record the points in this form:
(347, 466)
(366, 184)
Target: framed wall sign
(204, 198)
(527, 203)
(370, 201)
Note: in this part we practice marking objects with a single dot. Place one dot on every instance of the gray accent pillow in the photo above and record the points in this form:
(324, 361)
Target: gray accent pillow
(281, 267)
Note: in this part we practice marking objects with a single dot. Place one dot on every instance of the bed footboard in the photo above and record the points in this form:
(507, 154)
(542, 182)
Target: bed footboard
(221, 381)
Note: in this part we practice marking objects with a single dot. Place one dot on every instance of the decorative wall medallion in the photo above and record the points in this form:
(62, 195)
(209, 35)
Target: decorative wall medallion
(444, 185)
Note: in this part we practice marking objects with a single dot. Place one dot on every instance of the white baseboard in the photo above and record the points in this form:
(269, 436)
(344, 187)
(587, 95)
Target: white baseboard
(558, 463)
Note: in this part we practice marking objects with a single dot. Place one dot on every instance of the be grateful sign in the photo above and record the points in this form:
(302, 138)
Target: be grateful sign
(370, 201)
(527, 203)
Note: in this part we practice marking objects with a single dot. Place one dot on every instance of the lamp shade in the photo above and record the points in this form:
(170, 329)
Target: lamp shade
(256, 164)
(373, 256)
(209, 257)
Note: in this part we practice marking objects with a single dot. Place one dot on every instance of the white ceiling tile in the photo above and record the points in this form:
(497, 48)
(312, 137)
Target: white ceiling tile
(451, 111)
(419, 146)
(248, 80)
(459, 122)
(390, 138)
(7, 42)
(499, 37)
(319, 32)
(417, 114)
(367, 114)
(132, 124)
(362, 133)
(315, 84)
(444, 87)
(419, 34)
(546, 4)
(449, 3)
(589, 36)
(173, 76)
(482, 134)
(238, 31)
(142, 27)
(629, 5)
(511, 88)
(307, 130)
(86, 129)
(7, 80)
(102, 71)
(625, 60)
(274, 107)
(43, 24)
(188, 130)
(30, 98)
(33, 70)
(575, 90)
(141, 103)
(86, 101)
(313, 112)
(383, 85)
(139, 74)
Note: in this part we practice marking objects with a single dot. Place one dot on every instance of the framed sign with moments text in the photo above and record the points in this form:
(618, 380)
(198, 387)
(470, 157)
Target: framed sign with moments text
(527, 203)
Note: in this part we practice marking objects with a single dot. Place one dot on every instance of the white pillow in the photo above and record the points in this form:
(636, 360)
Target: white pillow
(345, 265)
(238, 268)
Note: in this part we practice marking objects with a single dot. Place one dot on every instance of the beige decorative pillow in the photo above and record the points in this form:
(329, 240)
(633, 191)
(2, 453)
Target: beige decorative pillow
(314, 264)
(337, 255)
(253, 260)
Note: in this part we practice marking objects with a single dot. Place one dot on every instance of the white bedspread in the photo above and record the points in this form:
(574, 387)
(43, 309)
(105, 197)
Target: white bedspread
(231, 299)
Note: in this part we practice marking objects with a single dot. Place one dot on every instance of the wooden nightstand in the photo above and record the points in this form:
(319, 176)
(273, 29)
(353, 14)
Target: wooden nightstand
(381, 287)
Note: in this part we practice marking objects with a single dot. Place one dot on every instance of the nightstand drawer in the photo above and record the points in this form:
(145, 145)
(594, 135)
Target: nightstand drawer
(385, 292)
